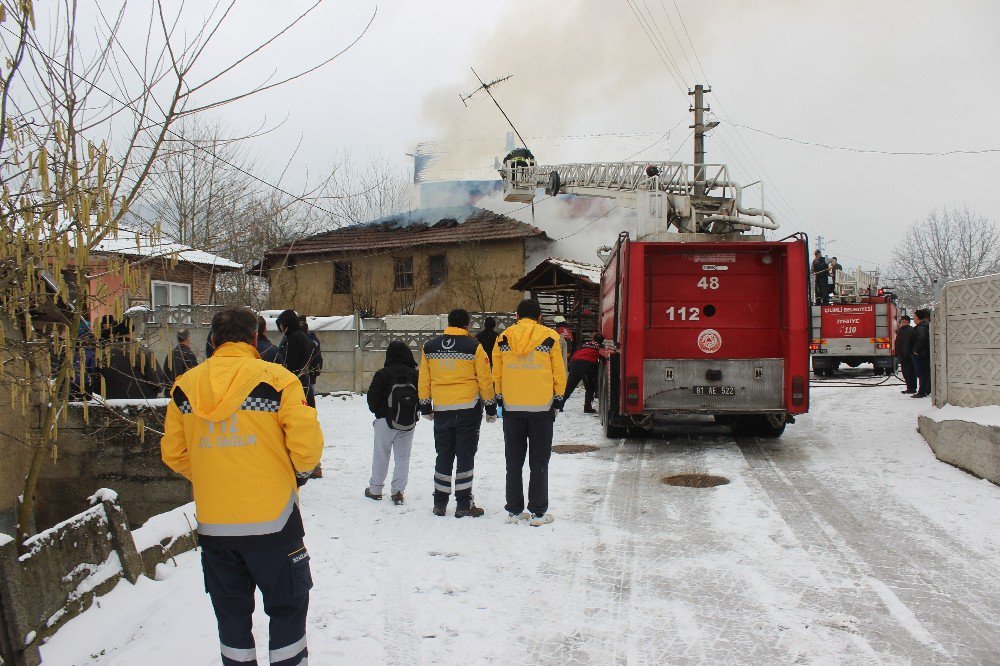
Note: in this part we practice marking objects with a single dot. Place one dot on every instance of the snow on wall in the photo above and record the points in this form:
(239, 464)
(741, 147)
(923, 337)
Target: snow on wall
(165, 527)
(988, 415)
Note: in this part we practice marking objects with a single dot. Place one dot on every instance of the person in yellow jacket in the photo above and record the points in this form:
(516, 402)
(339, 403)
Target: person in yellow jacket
(454, 387)
(529, 375)
(240, 430)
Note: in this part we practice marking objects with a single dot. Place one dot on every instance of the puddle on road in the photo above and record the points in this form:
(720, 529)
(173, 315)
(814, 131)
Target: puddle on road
(695, 480)
(574, 448)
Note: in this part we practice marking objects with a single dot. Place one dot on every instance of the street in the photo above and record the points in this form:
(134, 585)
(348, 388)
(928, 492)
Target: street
(844, 541)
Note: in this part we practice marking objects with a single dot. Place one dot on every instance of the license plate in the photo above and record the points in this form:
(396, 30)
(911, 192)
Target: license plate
(713, 390)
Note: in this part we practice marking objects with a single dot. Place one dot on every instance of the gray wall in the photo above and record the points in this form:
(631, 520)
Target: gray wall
(967, 343)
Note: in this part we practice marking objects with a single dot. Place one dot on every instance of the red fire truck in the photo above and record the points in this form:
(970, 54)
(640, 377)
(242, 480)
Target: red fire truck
(858, 326)
(700, 314)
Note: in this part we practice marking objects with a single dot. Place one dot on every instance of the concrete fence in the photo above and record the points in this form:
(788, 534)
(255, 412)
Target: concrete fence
(350, 357)
(966, 374)
(64, 568)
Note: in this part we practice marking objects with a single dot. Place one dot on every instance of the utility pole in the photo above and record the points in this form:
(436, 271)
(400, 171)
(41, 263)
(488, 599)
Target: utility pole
(699, 109)
(819, 246)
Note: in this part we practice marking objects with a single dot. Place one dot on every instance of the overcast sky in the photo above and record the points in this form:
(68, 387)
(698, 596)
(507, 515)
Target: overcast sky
(889, 75)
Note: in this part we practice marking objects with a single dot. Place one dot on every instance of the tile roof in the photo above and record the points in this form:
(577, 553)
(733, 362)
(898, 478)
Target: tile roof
(428, 226)
(131, 243)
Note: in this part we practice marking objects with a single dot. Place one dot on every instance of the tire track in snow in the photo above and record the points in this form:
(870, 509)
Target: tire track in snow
(886, 565)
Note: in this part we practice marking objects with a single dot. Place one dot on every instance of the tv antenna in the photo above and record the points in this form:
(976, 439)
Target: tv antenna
(483, 85)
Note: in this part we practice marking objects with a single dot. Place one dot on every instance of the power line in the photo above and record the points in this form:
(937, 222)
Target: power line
(181, 137)
(870, 151)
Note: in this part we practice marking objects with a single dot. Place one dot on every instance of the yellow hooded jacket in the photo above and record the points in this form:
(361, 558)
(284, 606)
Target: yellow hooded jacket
(454, 374)
(239, 429)
(529, 373)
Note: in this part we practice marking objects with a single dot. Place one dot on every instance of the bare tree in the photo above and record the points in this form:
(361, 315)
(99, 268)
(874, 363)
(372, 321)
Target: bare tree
(947, 244)
(83, 126)
(359, 193)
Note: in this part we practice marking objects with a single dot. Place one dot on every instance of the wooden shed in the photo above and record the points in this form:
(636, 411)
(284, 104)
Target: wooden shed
(568, 288)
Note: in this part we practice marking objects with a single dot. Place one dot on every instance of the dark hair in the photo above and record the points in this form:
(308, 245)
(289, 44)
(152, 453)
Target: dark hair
(906, 317)
(598, 338)
(489, 324)
(235, 324)
(183, 334)
(817, 252)
(923, 314)
(261, 325)
(529, 309)
(304, 323)
(459, 318)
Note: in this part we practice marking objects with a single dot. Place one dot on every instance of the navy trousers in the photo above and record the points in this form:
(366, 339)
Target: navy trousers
(531, 437)
(282, 574)
(456, 439)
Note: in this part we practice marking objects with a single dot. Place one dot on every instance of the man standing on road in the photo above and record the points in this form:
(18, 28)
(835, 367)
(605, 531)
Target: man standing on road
(239, 429)
(488, 336)
(583, 367)
(920, 342)
(182, 358)
(454, 386)
(267, 351)
(530, 379)
(904, 354)
(298, 350)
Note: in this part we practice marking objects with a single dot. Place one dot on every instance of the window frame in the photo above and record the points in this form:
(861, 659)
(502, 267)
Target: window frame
(439, 277)
(169, 285)
(338, 287)
(397, 273)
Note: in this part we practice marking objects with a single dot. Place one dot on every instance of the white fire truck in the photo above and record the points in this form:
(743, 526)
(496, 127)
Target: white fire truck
(857, 326)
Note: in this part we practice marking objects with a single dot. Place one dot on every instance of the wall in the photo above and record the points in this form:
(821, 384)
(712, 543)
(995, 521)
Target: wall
(106, 451)
(105, 289)
(967, 343)
(14, 458)
(479, 278)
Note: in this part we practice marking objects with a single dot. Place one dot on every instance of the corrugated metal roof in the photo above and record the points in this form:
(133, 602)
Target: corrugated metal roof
(428, 226)
(589, 272)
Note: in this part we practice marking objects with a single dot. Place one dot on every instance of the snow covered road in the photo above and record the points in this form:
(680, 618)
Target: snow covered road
(844, 541)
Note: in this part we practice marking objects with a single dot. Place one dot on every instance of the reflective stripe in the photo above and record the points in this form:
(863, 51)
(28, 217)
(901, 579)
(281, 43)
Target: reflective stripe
(438, 407)
(239, 654)
(507, 407)
(250, 529)
(444, 489)
(463, 486)
(442, 477)
(464, 475)
(288, 651)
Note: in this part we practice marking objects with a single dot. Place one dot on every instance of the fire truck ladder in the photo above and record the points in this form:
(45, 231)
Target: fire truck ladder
(702, 190)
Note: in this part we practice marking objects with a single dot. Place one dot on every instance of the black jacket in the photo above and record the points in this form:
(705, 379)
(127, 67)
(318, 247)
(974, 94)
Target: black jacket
(122, 379)
(267, 351)
(904, 340)
(297, 348)
(821, 270)
(488, 339)
(400, 368)
(920, 340)
(182, 359)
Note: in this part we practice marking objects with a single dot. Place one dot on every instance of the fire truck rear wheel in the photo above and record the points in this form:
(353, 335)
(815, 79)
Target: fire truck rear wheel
(758, 425)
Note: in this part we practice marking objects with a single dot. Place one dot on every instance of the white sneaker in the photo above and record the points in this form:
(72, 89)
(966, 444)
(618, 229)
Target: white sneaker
(515, 518)
(538, 521)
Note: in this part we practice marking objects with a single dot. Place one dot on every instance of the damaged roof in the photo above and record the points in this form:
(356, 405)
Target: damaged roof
(558, 274)
(427, 226)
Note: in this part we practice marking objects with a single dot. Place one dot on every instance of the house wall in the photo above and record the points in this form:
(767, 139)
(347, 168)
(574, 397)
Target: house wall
(105, 288)
(479, 279)
(14, 458)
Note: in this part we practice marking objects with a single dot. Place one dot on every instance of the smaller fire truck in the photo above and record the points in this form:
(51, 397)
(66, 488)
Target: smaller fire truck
(857, 326)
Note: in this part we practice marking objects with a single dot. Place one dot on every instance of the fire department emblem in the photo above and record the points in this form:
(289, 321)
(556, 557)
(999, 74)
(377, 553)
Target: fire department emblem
(709, 341)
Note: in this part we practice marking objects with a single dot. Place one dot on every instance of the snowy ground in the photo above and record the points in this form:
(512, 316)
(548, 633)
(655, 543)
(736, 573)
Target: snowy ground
(844, 541)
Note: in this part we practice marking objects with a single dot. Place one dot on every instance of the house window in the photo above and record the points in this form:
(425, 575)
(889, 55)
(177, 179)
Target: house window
(438, 269)
(404, 273)
(290, 263)
(342, 277)
(170, 294)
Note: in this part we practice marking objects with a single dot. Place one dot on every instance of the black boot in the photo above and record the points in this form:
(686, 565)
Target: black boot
(369, 495)
(472, 511)
(439, 509)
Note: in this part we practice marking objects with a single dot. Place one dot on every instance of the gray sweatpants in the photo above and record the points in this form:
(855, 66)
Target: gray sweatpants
(397, 442)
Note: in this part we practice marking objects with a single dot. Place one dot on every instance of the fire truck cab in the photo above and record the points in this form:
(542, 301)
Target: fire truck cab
(858, 326)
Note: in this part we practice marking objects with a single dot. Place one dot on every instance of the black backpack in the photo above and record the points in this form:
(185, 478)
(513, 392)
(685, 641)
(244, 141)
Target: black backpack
(403, 401)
